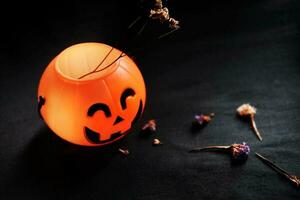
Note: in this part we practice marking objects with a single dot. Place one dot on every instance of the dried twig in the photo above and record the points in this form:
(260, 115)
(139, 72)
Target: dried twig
(281, 171)
(134, 22)
(125, 152)
(167, 33)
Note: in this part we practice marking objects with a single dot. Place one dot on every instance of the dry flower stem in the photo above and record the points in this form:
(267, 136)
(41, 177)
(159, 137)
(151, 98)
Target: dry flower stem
(292, 178)
(253, 124)
(166, 34)
(134, 22)
(143, 27)
(246, 110)
(211, 148)
(124, 151)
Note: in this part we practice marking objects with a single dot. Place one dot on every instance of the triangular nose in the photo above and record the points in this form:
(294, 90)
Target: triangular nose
(118, 120)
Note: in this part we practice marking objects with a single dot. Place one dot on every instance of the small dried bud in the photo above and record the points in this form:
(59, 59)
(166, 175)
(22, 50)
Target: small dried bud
(150, 126)
(157, 142)
(202, 119)
(124, 151)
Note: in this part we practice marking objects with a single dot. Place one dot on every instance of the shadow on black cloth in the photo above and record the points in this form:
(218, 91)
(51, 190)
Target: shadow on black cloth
(49, 157)
(197, 128)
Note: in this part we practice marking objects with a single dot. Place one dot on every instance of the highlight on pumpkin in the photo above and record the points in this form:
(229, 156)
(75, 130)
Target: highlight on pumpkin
(86, 94)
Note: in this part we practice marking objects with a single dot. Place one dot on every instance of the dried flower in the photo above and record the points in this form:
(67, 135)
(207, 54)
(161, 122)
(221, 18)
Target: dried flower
(294, 179)
(150, 126)
(162, 14)
(203, 119)
(239, 152)
(156, 142)
(246, 110)
(124, 151)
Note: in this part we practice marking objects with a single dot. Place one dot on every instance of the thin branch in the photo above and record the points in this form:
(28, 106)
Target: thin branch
(166, 34)
(134, 22)
(143, 27)
(272, 165)
(103, 59)
(122, 55)
(211, 148)
(97, 65)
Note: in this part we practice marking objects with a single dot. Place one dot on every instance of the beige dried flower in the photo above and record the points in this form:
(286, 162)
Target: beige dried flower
(124, 151)
(246, 110)
(157, 142)
(162, 14)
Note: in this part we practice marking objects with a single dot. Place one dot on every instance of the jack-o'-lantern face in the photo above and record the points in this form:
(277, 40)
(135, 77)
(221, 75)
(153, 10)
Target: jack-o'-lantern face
(95, 137)
(91, 94)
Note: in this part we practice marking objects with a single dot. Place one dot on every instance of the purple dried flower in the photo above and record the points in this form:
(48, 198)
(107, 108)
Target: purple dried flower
(240, 151)
(203, 119)
(199, 119)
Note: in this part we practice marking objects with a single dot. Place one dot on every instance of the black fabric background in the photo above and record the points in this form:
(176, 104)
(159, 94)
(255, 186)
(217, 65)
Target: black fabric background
(227, 53)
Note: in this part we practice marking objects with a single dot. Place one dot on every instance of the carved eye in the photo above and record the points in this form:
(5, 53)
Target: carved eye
(128, 92)
(99, 106)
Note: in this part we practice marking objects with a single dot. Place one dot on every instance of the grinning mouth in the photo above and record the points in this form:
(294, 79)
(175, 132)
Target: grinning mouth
(95, 137)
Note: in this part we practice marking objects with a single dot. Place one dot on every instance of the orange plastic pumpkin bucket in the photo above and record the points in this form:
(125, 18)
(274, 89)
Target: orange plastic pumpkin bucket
(91, 94)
